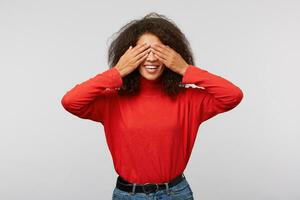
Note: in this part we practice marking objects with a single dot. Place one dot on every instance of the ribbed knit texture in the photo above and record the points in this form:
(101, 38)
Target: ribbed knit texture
(150, 136)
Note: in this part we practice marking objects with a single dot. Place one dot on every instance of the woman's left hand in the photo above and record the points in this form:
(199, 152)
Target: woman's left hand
(170, 58)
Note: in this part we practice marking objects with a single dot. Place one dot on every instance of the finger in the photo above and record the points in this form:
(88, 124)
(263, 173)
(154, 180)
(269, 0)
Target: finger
(141, 47)
(130, 47)
(142, 58)
(160, 46)
(142, 54)
(141, 50)
(160, 49)
(160, 58)
(159, 54)
(138, 50)
(135, 47)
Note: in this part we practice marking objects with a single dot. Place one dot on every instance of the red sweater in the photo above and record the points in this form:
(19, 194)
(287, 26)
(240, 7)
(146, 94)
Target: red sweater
(150, 136)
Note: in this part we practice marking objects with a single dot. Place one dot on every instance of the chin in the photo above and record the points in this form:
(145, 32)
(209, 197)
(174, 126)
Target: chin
(150, 76)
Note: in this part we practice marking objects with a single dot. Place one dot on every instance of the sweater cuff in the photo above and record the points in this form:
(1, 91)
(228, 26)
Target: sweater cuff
(114, 76)
(192, 75)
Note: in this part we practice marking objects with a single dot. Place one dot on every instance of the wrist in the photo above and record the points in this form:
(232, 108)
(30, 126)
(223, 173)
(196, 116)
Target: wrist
(119, 70)
(184, 69)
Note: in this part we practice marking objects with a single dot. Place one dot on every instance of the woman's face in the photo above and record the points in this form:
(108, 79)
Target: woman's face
(151, 60)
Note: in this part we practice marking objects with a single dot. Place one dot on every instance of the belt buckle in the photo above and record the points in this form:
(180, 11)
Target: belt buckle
(149, 185)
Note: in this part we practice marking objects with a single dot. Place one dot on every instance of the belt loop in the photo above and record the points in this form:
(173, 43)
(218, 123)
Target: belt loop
(167, 187)
(133, 189)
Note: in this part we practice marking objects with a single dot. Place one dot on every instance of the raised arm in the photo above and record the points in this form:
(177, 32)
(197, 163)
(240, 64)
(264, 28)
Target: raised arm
(218, 94)
(88, 100)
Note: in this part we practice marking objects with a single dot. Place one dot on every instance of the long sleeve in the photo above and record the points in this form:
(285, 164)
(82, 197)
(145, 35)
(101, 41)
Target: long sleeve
(88, 100)
(218, 94)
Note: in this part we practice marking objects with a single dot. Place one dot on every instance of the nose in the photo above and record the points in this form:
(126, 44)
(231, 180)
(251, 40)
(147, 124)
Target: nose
(151, 56)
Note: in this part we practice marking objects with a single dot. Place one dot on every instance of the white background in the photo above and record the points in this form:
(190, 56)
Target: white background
(46, 47)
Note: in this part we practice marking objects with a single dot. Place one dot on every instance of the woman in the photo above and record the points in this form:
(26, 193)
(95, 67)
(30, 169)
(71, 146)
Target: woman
(149, 114)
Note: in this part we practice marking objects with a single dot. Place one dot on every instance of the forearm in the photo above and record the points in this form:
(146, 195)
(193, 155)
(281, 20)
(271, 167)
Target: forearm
(81, 95)
(225, 92)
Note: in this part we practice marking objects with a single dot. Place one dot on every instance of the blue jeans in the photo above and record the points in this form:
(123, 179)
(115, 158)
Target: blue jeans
(181, 191)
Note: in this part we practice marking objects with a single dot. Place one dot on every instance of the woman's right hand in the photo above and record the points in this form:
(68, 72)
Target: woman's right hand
(132, 58)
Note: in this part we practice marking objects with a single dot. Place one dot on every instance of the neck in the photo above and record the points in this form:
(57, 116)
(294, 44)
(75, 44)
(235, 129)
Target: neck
(150, 87)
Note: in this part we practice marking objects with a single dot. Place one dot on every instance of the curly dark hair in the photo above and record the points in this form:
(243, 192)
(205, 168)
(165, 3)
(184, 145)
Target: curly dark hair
(168, 33)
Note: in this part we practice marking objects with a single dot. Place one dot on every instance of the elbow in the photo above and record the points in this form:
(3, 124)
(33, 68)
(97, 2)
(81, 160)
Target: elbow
(71, 104)
(237, 95)
(66, 103)
(234, 99)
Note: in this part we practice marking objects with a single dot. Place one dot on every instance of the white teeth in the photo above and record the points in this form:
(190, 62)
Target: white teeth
(151, 67)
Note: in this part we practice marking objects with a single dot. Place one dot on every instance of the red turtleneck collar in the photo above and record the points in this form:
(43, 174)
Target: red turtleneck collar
(150, 87)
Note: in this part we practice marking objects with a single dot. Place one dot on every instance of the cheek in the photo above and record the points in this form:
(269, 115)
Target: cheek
(162, 69)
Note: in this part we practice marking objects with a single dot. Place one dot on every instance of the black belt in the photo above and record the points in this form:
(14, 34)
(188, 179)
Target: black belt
(147, 187)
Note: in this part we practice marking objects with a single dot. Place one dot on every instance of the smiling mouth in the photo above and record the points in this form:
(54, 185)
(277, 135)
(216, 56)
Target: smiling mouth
(151, 66)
